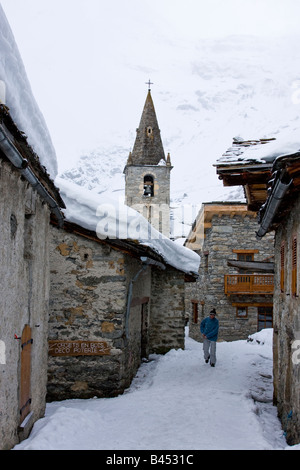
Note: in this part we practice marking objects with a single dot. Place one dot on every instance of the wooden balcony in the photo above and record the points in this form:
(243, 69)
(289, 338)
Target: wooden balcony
(249, 284)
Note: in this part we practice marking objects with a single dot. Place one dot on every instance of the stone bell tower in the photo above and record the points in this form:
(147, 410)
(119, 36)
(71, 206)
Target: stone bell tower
(147, 172)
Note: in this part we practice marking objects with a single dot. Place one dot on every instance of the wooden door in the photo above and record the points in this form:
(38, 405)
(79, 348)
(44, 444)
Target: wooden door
(264, 317)
(25, 395)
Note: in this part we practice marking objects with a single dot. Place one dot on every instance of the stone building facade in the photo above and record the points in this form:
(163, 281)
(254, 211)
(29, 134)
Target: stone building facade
(286, 336)
(231, 264)
(26, 193)
(107, 295)
(283, 218)
(269, 171)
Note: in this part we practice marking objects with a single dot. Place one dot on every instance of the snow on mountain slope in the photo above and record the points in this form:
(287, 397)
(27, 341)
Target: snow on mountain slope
(225, 87)
(101, 169)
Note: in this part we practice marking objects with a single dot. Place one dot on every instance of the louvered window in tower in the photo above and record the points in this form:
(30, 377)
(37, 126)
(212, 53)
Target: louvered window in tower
(282, 267)
(148, 186)
(294, 266)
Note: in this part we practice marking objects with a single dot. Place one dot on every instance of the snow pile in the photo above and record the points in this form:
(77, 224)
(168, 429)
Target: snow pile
(17, 95)
(177, 402)
(112, 219)
(264, 336)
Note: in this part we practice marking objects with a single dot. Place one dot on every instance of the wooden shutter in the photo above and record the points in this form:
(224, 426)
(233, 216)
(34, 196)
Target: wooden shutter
(294, 266)
(282, 266)
(25, 397)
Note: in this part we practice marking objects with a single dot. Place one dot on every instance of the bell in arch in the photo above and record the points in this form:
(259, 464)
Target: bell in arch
(148, 186)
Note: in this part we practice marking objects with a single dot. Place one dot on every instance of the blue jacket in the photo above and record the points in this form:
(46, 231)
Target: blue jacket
(210, 328)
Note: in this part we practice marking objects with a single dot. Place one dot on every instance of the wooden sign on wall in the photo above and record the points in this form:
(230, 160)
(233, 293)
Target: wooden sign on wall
(78, 348)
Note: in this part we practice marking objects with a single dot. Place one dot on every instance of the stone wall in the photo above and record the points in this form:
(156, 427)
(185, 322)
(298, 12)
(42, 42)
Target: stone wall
(167, 311)
(89, 287)
(24, 273)
(287, 332)
(226, 234)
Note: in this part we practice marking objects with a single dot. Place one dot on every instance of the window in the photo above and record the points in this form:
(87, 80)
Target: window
(264, 318)
(13, 225)
(242, 311)
(195, 311)
(206, 253)
(148, 186)
(245, 255)
(282, 267)
(294, 266)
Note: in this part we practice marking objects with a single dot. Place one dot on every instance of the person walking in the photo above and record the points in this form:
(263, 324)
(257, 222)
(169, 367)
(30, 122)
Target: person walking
(209, 328)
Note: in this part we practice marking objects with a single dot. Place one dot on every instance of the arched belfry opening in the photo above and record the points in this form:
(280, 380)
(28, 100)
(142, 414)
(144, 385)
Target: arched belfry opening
(148, 186)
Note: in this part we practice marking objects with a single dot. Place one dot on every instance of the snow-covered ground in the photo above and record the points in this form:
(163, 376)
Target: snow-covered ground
(176, 402)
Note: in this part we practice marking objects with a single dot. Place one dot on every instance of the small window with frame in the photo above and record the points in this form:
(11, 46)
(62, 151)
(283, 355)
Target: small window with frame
(242, 311)
(245, 256)
(205, 255)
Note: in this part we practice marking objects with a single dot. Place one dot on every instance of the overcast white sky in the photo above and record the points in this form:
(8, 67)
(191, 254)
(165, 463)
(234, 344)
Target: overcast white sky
(88, 60)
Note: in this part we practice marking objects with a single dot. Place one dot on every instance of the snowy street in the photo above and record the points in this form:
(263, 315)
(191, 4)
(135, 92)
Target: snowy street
(176, 402)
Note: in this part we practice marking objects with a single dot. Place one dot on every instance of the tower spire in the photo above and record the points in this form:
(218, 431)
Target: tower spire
(148, 148)
(147, 172)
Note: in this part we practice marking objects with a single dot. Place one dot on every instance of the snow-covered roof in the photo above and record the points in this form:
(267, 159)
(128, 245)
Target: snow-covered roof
(264, 150)
(114, 220)
(16, 93)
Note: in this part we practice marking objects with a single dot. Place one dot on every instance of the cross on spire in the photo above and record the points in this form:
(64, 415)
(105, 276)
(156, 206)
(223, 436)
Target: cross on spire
(149, 84)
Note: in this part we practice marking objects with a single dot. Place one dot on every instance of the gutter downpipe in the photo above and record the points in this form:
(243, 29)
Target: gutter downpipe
(145, 263)
(272, 206)
(21, 164)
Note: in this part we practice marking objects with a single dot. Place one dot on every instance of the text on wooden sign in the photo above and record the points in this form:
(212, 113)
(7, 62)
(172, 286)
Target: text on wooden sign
(78, 348)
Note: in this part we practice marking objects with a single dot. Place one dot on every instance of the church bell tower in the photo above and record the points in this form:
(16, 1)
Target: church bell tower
(147, 172)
